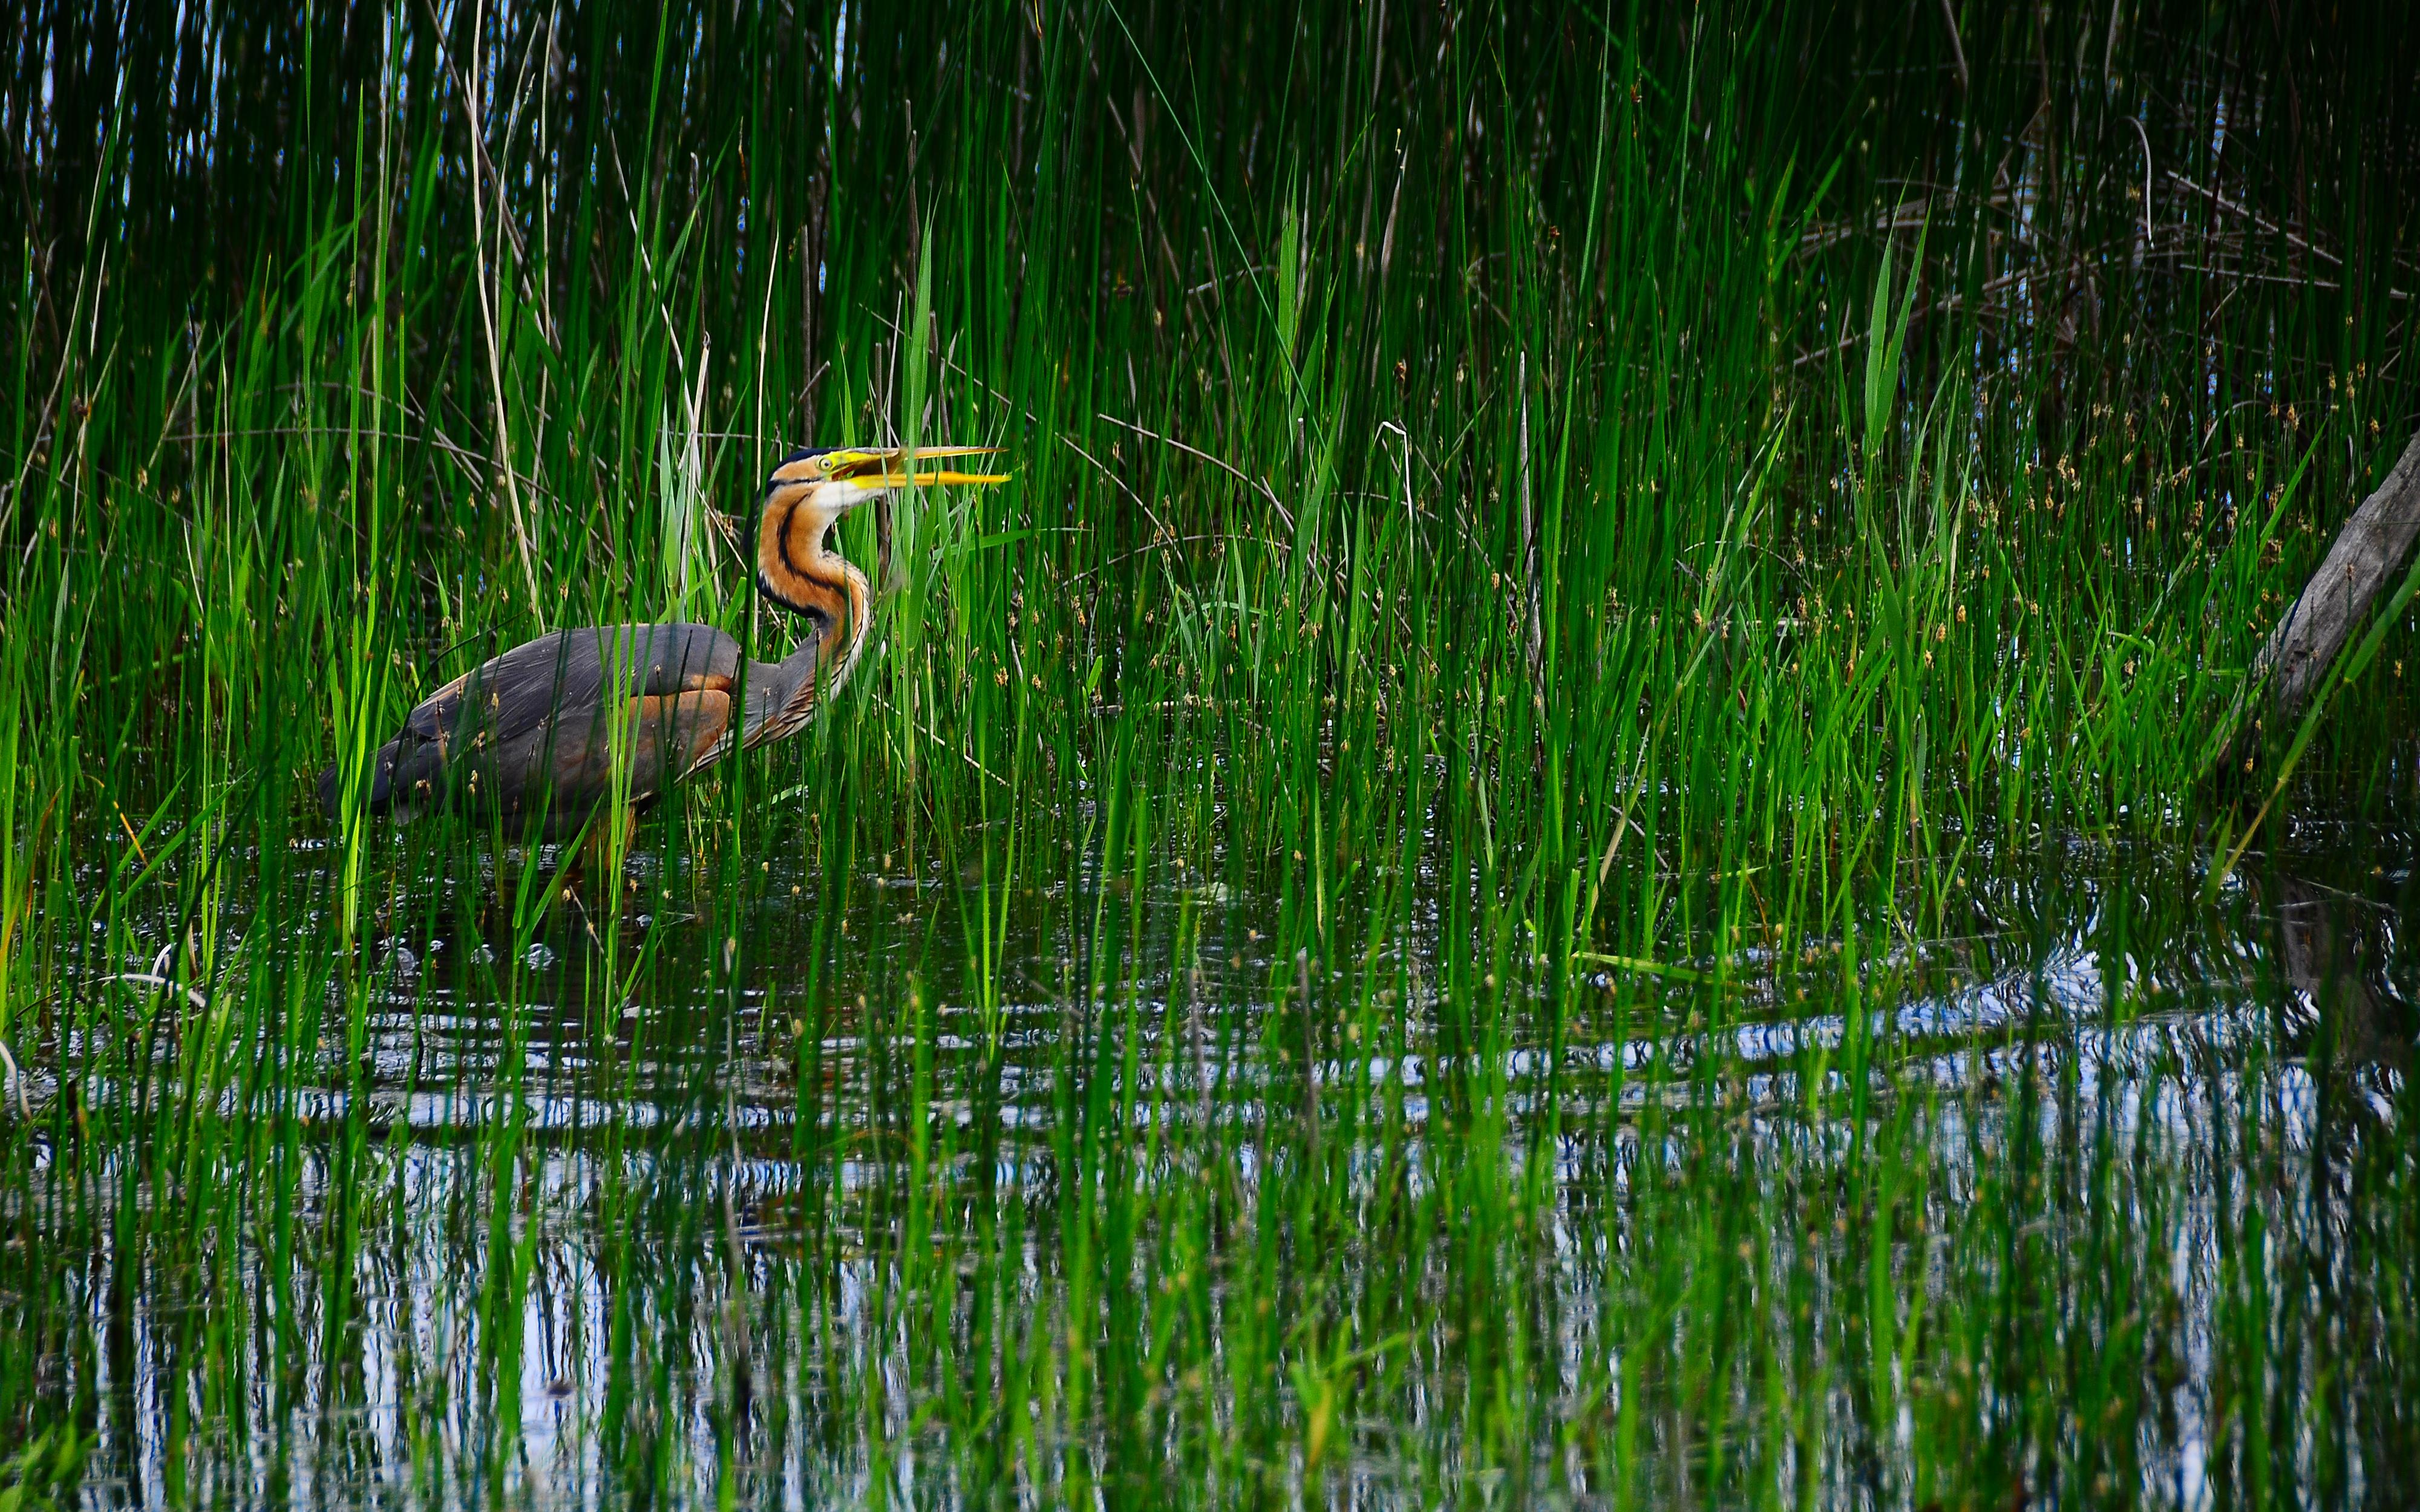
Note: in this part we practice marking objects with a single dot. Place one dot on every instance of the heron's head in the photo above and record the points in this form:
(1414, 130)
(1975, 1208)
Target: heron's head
(828, 484)
(811, 489)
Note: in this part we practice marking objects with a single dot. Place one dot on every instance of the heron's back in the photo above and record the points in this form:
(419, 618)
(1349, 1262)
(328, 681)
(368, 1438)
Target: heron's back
(527, 731)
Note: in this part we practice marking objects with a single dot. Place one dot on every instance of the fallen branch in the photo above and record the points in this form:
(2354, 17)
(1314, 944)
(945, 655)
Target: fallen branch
(2369, 552)
(160, 984)
(16, 1082)
(2302, 662)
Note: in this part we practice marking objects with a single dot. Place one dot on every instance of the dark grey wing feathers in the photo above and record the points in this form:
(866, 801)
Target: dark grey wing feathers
(494, 726)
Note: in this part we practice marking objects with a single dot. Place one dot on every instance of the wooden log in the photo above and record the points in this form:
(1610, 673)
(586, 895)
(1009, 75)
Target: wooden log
(2295, 664)
(2367, 554)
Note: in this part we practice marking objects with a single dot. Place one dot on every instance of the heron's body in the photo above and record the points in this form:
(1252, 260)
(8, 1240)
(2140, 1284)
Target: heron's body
(559, 727)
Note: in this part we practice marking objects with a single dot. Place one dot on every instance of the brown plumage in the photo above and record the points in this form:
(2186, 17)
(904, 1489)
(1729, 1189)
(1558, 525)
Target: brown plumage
(560, 726)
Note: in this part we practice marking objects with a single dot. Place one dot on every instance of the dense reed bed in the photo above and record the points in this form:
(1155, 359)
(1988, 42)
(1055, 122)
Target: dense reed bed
(1568, 840)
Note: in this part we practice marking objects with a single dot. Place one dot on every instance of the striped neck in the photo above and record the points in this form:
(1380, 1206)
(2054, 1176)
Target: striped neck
(797, 569)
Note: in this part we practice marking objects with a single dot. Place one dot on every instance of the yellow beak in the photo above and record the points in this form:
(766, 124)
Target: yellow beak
(893, 468)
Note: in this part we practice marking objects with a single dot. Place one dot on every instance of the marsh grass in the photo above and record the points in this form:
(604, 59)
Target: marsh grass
(1559, 843)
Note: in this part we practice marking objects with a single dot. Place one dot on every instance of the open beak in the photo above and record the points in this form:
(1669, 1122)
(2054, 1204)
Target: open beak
(894, 468)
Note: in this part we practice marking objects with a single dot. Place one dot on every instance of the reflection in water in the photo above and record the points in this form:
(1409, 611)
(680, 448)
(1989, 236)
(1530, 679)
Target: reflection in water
(2092, 1194)
(2332, 951)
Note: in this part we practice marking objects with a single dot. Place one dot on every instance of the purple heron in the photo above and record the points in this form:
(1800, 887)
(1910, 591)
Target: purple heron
(558, 727)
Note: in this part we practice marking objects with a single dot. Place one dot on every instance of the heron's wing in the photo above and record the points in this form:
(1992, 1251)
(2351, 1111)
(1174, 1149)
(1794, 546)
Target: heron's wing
(519, 691)
(528, 700)
(583, 760)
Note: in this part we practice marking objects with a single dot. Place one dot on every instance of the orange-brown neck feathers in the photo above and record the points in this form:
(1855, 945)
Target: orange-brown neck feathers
(795, 568)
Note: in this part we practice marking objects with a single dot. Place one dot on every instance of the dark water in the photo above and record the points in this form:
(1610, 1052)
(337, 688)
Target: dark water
(795, 1219)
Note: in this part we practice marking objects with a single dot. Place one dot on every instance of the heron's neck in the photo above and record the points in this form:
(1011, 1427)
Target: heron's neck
(800, 571)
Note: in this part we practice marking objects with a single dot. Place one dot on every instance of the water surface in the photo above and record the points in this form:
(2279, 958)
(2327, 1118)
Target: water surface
(772, 1188)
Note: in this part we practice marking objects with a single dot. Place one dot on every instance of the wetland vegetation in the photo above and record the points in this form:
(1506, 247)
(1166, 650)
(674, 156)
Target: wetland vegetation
(1576, 836)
